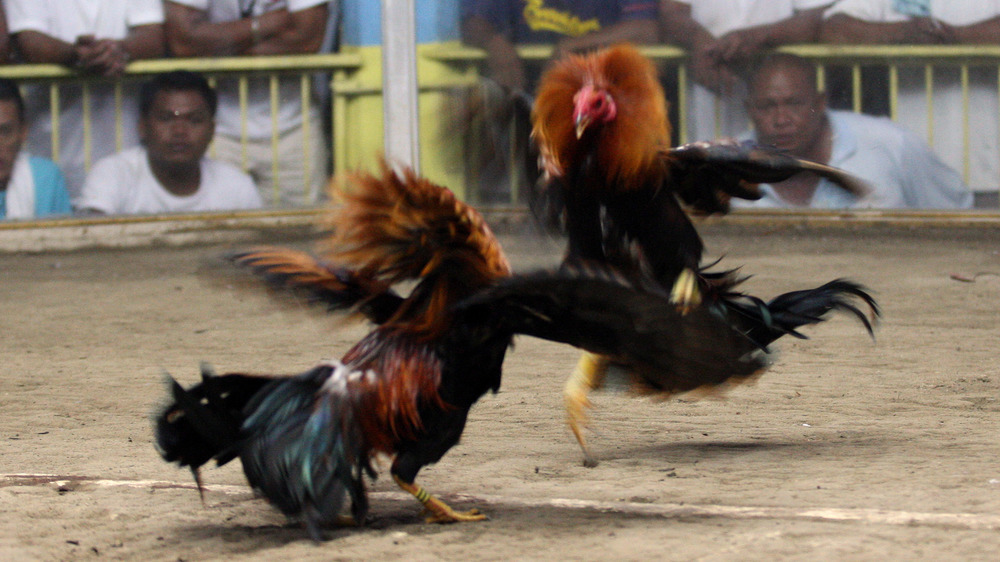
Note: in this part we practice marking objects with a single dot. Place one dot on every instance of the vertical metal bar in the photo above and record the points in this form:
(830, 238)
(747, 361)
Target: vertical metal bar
(929, 89)
(275, 156)
(513, 169)
(399, 82)
(87, 127)
(119, 132)
(717, 116)
(893, 92)
(820, 77)
(305, 86)
(856, 87)
(54, 110)
(965, 123)
(339, 125)
(243, 87)
(682, 103)
(212, 150)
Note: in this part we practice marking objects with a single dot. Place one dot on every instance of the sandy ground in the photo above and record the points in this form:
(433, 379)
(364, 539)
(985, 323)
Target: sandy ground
(847, 449)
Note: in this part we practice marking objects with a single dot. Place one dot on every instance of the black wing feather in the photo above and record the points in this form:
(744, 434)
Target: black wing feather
(634, 325)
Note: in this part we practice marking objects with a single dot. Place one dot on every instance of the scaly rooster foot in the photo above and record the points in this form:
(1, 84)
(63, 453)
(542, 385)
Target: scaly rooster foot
(587, 376)
(685, 294)
(439, 512)
(445, 514)
(346, 521)
(576, 413)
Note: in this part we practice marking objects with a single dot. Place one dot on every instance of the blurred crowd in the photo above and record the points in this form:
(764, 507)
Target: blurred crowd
(146, 150)
(727, 40)
(154, 157)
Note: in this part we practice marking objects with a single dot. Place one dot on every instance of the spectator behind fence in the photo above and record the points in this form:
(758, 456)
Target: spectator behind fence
(169, 172)
(96, 37)
(902, 171)
(935, 22)
(275, 27)
(571, 26)
(495, 117)
(30, 186)
(723, 37)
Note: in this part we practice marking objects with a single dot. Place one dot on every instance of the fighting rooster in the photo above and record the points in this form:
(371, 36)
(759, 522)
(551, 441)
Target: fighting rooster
(609, 175)
(306, 442)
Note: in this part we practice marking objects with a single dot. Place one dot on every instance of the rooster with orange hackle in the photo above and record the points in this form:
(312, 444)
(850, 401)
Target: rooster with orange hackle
(611, 179)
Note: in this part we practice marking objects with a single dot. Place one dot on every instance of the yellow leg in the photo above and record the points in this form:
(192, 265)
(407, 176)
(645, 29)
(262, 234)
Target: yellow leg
(439, 511)
(685, 293)
(589, 373)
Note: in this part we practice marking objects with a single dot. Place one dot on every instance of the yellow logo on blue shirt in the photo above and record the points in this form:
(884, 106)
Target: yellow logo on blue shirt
(540, 18)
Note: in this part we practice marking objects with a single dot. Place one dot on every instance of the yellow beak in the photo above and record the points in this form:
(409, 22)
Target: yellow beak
(582, 122)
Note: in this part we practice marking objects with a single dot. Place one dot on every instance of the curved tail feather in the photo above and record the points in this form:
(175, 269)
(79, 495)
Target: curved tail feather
(399, 226)
(203, 422)
(316, 281)
(785, 314)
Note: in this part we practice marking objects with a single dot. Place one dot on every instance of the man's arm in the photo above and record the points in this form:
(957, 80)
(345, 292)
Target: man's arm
(985, 32)
(842, 28)
(38, 47)
(4, 38)
(302, 34)
(679, 28)
(144, 42)
(742, 44)
(108, 57)
(631, 31)
(503, 64)
(190, 34)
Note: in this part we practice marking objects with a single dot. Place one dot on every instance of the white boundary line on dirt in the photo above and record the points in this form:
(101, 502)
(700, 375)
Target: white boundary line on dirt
(971, 521)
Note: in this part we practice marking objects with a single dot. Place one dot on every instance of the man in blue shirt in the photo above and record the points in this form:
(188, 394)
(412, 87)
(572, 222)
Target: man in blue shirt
(573, 26)
(29, 186)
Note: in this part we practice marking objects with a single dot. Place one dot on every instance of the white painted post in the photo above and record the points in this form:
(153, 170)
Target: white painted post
(399, 83)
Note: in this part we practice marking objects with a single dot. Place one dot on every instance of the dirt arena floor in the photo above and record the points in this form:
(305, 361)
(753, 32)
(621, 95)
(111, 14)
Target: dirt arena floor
(848, 449)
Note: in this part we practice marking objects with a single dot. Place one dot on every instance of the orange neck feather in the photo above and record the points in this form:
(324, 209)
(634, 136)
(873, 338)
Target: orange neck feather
(627, 147)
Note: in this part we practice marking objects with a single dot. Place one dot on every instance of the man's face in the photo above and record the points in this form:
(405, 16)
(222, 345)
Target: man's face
(786, 109)
(178, 128)
(12, 135)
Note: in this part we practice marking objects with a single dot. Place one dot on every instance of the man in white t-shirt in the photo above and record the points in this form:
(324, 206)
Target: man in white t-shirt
(936, 22)
(723, 37)
(94, 37)
(790, 114)
(198, 28)
(169, 172)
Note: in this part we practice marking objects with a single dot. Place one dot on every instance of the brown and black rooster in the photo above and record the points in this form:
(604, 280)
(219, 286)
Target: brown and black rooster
(610, 178)
(306, 442)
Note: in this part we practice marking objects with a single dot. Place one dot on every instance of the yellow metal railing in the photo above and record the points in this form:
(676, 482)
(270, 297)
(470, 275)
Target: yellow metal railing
(352, 78)
(893, 58)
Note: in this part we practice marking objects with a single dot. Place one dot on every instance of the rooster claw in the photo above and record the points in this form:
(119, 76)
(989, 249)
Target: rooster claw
(588, 375)
(685, 294)
(448, 515)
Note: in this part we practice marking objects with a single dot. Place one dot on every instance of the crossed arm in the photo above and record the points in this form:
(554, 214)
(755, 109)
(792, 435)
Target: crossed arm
(191, 34)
